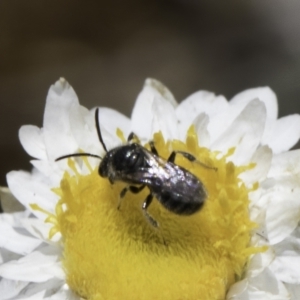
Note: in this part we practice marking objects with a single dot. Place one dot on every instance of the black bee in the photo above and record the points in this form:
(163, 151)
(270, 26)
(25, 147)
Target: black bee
(174, 187)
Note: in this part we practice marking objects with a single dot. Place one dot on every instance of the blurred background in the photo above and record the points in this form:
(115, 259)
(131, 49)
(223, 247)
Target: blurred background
(106, 49)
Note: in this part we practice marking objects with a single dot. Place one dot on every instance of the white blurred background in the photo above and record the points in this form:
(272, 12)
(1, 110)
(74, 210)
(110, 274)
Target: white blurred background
(106, 49)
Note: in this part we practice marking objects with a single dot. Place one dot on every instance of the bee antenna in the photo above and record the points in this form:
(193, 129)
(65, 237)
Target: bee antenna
(78, 154)
(98, 129)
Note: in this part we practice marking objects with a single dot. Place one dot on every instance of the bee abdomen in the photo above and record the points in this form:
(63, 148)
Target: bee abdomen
(180, 204)
(186, 208)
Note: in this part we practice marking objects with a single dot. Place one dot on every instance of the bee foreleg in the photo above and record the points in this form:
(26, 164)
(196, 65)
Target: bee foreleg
(153, 149)
(132, 136)
(145, 205)
(133, 189)
(136, 189)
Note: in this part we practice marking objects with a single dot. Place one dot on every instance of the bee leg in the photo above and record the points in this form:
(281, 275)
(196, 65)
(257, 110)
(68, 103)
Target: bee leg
(136, 189)
(145, 205)
(190, 157)
(132, 136)
(133, 189)
(153, 149)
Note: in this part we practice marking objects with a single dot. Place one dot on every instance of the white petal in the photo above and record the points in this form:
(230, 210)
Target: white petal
(254, 294)
(259, 262)
(284, 164)
(201, 122)
(237, 289)
(64, 293)
(251, 293)
(38, 296)
(258, 216)
(196, 104)
(269, 285)
(57, 132)
(294, 291)
(245, 133)
(154, 98)
(29, 191)
(287, 268)
(267, 96)
(48, 288)
(83, 129)
(39, 229)
(162, 90)
(286, 265)
(201, 102)
(110, 120)
(6, 255)
(218, 124)
(9, 203)
(11, 288)
(38, 266)
(164, 119)
(14, 219)
(262, 158)
(264, 94)
(263, 287)
(285, 134)
(283, 213)
(31, 138)
(51, 170)
(16, 242)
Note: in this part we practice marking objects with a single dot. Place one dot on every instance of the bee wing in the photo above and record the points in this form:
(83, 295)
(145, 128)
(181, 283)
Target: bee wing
(153, 173)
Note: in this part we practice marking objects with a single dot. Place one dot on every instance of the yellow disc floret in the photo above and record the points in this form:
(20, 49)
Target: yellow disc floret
(115, 254)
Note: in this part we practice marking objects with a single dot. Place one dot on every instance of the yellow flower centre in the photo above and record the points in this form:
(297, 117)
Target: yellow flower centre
(112, 253)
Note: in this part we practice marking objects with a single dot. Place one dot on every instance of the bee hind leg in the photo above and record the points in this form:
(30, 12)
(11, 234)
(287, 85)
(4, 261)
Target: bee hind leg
(145, 205)
(189, 157)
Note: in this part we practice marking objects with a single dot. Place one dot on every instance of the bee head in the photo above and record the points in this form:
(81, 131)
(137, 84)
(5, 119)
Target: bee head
(125, 159)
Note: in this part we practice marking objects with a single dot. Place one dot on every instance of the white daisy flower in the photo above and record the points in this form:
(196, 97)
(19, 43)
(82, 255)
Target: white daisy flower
(72, 242)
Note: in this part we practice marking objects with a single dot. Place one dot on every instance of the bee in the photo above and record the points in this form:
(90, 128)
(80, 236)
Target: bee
(177, 189)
